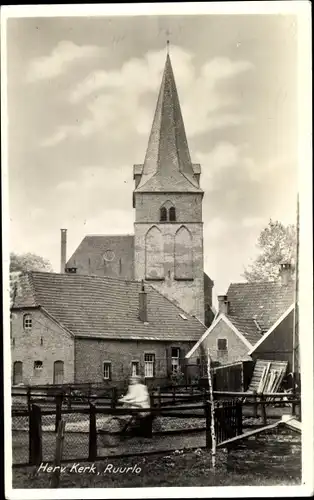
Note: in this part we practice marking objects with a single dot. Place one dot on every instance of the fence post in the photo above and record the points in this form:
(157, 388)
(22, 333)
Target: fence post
(263, 408)
(35, 436)
(208, 425)
(58, 410)
(28, 399)
(204, 393)
(92, 453)
(293, 405)
(255, 414)
(159, 396)
(55, 478)
(239, 417)
(69, 397)
(114, 397)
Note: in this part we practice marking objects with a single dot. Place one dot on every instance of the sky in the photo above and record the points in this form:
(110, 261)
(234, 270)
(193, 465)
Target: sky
(82, 93)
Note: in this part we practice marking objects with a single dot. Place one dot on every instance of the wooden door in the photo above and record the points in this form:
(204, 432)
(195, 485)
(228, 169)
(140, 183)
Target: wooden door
(58, 372)
(17, 373)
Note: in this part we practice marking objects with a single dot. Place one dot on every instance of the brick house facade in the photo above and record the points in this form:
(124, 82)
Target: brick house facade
(42, 351)
(255, 321)
(77, 329)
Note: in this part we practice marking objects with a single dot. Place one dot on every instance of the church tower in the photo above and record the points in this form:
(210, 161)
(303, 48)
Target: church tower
(168, 228)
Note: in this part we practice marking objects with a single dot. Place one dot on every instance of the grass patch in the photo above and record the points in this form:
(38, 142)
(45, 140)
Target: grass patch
(188, 468)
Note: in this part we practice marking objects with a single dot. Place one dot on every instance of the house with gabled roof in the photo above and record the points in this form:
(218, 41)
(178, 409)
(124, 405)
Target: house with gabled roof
(254, 321)
(78, 329)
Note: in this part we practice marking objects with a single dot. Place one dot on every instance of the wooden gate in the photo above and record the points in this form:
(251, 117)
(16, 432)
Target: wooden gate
(58, 372)
(228, 420)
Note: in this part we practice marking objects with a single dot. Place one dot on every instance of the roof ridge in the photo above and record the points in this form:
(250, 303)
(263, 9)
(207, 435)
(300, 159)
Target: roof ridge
(32, 286)
(239, 317)
(274, 282)
(93, 235)
(90, 276)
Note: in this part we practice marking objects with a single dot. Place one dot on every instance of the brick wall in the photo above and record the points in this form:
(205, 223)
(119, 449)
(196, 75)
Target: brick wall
(46, 342)
(236, 349)
(88, 258)
(90, 354)
(188, 206)
(189, 295)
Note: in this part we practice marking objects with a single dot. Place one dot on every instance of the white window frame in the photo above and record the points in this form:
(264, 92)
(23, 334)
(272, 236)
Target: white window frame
(149, 365)
(108, 365)
(27, 322)
(135, 363)
(222, 350)
(175, 361)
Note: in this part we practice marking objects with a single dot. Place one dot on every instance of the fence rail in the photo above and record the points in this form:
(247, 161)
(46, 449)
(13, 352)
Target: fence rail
(34, 429)
(34, 438)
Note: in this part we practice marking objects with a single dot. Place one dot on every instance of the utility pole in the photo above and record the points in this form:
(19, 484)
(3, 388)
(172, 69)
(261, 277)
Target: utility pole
(295, 338)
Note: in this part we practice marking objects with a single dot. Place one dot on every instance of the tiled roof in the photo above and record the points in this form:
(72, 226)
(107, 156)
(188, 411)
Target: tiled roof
(94, 306)
(263, 301)
(167, 165)
(247, 327)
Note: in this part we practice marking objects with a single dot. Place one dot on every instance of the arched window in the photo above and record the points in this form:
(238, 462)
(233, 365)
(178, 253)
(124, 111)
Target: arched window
(27, 322)
(163, 214)
(183, 254)
(58, 372)
(154, 254)
(172, 214)
(17, 372)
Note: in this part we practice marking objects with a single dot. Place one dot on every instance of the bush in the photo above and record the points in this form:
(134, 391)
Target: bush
(177, 378)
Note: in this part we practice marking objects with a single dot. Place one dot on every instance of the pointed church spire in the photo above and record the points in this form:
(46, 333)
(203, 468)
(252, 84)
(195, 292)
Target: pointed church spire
(167, 165)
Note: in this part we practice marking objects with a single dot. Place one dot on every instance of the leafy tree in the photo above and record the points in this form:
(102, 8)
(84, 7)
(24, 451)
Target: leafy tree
(22, 263)
(276, 245)
(28, 262)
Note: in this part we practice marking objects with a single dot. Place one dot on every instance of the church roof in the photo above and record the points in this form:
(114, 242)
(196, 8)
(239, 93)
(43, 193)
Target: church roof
(108, 308)
(167, 165)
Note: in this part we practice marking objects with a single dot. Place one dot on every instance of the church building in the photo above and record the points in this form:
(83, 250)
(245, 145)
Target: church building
(166, 248)
(125, 304)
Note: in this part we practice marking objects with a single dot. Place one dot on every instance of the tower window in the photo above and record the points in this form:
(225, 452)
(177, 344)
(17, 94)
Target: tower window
(163, 214)
(172, 214)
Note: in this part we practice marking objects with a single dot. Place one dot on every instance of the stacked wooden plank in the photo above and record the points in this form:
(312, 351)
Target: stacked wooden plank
(267, 376)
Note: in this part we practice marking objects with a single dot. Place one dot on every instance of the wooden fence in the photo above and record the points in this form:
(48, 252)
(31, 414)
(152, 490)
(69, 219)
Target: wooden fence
(161, 397)
(228, 421)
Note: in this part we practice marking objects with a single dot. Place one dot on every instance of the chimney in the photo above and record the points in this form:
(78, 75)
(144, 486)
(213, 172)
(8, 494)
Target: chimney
(285, 273)
(223, 304)
(143, 304)
(63, 250)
